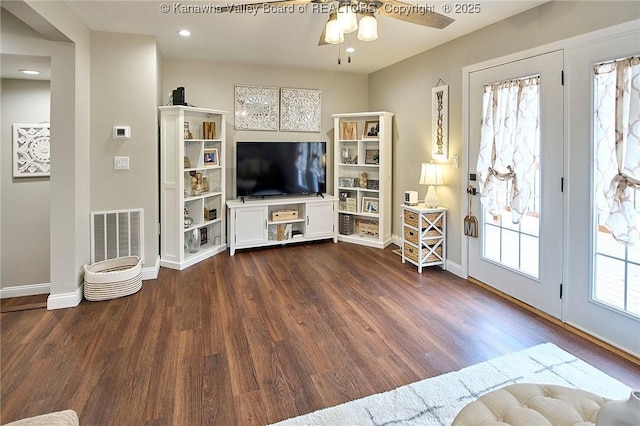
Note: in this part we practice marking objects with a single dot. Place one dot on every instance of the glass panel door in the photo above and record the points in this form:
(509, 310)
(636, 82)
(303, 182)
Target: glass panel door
(522, 259)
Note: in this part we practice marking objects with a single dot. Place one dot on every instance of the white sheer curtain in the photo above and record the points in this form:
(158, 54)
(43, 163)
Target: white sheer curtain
(617, 146)
(510, 134)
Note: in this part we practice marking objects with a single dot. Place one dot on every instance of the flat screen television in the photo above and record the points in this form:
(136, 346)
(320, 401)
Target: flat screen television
(280, 168)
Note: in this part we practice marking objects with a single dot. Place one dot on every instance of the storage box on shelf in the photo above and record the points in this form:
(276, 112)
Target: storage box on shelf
(280, 220)
(424, 236)
(362, 176)
(193, 184)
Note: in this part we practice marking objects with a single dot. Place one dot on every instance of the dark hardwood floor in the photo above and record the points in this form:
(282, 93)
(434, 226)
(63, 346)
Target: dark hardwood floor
(262, 336)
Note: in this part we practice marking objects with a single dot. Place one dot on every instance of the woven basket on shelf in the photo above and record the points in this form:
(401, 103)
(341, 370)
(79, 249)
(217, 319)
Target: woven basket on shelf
(112, 278)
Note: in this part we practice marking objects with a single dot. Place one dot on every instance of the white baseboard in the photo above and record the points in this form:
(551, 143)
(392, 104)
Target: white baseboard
(24, 290)
(65, 300)
(456, 269)
(151, 272)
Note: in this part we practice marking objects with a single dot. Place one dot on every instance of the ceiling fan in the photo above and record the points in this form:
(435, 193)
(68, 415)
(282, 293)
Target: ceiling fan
(343, 16)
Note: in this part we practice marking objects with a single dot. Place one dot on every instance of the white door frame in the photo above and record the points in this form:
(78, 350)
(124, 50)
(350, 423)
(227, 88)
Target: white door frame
(581, 40)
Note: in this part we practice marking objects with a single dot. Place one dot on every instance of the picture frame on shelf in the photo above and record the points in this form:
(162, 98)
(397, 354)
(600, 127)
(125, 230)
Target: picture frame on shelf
(204, 236)
(371, 129)
(372, 156)
(211, 157)
(370, 205)
(349, 130)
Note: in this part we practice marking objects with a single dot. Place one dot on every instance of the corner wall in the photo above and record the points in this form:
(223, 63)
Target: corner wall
(124, 91)
(405, 89)
(70, 110)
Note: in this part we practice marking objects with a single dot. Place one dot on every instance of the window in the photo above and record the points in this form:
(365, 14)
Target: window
(509, 174)
(616, 130)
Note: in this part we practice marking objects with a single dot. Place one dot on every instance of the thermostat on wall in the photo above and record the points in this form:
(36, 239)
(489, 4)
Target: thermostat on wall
(122, 132)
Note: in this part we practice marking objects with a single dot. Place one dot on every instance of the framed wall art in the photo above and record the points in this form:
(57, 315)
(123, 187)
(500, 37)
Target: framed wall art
(256, 108)
(300, 110)
(440, 122)
(31, 150)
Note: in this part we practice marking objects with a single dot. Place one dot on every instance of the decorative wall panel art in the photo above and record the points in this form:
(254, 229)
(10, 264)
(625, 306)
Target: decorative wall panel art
(256, 108)
(31, 150)
(300, 110)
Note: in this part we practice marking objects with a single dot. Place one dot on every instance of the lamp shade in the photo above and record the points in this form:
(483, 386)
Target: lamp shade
(332, 31)
(347, 18)
(431, 174)
(368, 30)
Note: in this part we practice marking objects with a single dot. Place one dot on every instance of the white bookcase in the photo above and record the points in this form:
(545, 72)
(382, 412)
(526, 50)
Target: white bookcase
(364, 209)
(280, 220)
(184, 156)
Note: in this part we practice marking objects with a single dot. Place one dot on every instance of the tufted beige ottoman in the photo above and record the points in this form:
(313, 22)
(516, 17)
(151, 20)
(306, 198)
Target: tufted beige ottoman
(531, 404)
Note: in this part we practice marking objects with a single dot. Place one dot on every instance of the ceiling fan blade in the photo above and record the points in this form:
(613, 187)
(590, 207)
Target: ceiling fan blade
(239, 6)
(402, 11)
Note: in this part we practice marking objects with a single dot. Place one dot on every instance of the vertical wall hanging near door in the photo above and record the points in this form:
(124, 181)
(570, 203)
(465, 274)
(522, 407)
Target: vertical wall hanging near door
(440, 121)
(470, 221)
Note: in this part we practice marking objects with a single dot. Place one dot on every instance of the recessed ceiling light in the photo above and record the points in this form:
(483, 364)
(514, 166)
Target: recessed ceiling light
(184, 33)
(350, 50)
(30, 72)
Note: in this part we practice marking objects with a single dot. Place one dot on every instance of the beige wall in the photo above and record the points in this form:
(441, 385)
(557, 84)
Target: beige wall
(211, 85)
(24, 230)
(405, 89)
(124, 91)
(69, 189)
(70, 94)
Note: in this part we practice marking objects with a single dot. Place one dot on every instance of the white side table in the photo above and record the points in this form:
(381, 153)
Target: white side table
(424, 240)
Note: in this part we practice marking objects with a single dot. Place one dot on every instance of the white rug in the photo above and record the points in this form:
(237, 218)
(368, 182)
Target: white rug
(437, 400)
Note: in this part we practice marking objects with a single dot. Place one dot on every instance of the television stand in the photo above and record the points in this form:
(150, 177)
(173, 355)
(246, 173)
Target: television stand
(281, 220)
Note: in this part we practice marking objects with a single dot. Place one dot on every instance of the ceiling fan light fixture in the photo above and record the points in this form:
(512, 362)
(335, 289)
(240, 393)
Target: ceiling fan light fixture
(347, 18)
(368, 28)
(333, 31)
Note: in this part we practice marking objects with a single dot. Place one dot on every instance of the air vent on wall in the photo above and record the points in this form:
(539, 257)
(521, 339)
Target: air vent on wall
(116, 234)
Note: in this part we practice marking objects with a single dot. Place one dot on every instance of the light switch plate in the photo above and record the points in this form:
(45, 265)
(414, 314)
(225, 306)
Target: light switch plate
(121, 163)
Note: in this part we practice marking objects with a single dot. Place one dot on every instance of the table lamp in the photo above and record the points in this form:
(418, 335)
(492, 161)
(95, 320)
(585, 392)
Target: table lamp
(431, 175)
